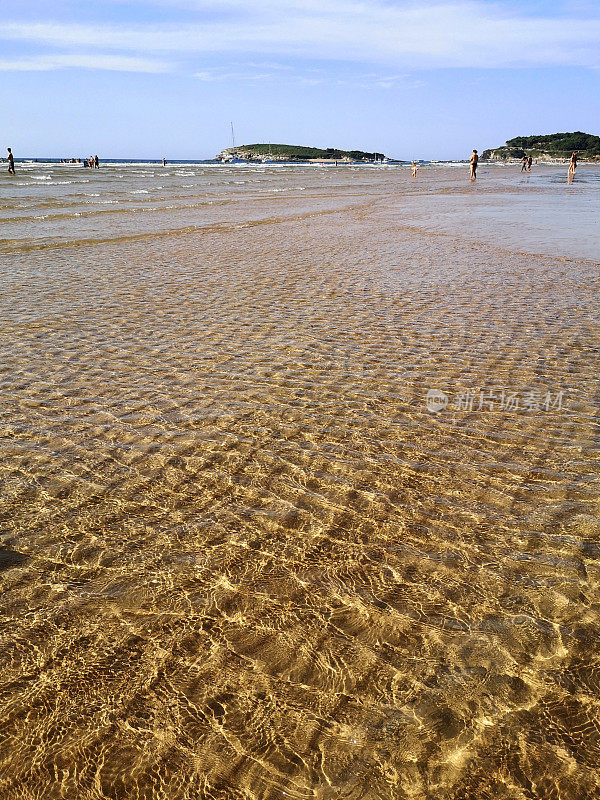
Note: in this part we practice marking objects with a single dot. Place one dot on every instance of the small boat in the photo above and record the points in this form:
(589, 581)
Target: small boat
(231, 159)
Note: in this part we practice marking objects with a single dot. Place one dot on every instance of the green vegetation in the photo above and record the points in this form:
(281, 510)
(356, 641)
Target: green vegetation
(291, 152)
(554, 145)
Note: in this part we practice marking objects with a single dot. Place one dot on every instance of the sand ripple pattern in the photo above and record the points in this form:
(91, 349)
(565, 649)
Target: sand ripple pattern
(240, 559)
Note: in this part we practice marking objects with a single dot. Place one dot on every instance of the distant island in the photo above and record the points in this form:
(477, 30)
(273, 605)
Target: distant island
(548, 147)
(292, 152)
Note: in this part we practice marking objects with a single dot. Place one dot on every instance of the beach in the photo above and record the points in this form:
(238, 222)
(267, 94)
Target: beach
(248, 550)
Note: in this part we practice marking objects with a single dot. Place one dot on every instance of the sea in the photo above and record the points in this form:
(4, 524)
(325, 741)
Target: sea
(299, 469)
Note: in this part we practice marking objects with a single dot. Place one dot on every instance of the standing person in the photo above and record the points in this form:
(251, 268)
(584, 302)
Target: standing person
(11, 162)
(524, 164)
(164, 162)
(529, 163)
(573, 164)
(473, 161)
(96, 162)
(414, 169)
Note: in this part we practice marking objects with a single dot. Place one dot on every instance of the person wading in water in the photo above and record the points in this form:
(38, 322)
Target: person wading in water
(473, 161)
(573, 164)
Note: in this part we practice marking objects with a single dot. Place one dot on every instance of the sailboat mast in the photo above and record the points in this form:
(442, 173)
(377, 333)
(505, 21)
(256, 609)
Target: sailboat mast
(232, 135)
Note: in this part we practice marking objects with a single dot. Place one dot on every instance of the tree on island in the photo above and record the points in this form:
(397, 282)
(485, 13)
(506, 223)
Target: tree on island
(291, 152)
(553, 145)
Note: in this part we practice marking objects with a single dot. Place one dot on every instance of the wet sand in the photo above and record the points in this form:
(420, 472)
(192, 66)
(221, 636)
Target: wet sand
(240, 558)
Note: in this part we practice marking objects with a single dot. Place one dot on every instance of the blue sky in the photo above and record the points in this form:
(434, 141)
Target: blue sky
(146, 78)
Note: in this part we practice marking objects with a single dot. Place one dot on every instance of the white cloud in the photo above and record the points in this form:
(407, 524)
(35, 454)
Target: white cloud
(453, 34)
(251, 72)
(44, 63)
(211, 75)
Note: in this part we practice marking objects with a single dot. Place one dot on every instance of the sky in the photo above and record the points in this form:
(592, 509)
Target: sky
(147, 78)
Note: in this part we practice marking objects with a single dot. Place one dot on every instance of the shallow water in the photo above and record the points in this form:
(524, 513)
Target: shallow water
(240, 558)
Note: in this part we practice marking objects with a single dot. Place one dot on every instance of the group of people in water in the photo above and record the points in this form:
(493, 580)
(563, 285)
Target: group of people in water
(92, 161)
(526, 163)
